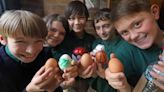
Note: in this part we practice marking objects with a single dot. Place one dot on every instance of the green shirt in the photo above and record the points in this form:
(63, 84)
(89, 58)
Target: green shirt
(99, 84)
(110, 45)
(136, 60)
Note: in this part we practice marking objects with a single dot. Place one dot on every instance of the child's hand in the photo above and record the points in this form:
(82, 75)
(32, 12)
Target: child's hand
(100, 71)
(71, 72)
(69, 76)
(159, 77)
(68, 83)
(43, 80)
(117, 81)
(90, 71)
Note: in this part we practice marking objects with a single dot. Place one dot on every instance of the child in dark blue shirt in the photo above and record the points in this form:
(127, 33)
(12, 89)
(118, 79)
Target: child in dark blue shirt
(23, 55)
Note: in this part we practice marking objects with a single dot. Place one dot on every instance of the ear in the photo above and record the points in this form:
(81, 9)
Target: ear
(3, 40)
(155, 10)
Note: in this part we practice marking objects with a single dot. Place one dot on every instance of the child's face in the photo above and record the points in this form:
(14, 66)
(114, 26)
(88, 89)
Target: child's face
(56, 34)
(140, 29)
(103, 29)
(77, 23)
(26, 49)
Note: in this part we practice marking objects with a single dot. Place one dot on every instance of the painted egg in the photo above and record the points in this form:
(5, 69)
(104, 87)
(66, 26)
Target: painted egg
(64, 61)
(79, 51)
(101, 57)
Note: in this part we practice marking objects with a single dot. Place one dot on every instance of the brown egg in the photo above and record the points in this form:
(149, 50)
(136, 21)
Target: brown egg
(51, 62)
(101, 57)
(86, 60)
(115, 65)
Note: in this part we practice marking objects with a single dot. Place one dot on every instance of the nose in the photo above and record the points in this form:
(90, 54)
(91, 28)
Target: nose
(133, 35)
(101, 30)
(76, 21)
(56, 34)
(30, 49)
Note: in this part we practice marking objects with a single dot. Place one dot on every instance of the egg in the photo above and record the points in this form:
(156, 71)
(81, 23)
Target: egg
(86, 60)
(64, 61)
(51, 62)
(100, 47)
(115, 65)
(79, 51)
(101, 57)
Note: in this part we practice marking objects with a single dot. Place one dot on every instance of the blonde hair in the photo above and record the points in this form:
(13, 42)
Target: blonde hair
(20, 21)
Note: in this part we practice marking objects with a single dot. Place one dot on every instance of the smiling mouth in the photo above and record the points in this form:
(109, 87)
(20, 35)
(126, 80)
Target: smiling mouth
(27, 56)
(51, 37)
(142, 39)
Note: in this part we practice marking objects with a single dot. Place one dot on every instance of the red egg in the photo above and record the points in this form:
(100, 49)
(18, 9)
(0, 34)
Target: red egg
(101, 57)
(79, 51)
(86, 60)
(115, 65)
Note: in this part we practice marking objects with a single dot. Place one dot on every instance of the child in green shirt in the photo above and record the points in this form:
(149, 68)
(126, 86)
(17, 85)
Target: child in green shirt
(136, 22)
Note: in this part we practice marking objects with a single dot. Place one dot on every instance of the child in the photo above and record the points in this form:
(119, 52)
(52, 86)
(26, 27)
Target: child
(111, 41)
(77, 15)
(105, 30)
(58, 29)
(136, 22)
(23, 55)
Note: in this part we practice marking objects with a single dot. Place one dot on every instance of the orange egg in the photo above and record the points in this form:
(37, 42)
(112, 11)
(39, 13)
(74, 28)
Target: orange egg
(86, 60)
(51, 62)
(115, 65)
(101, 56)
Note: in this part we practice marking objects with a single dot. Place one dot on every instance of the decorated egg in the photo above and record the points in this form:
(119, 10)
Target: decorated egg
(64, 61)
(101, 57)
(79, 51)
(115, 65)
(100, 47)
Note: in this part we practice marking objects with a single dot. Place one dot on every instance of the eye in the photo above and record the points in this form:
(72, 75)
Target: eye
(62, 33)
(137, 24)
(71, 19)
(106, 26)
(53, 29)
(124, 33)
(97, 27)
(20, 41)
(82, 18)
(40, 41)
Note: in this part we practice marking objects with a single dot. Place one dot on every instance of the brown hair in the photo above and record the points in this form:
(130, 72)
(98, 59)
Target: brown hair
(76, 8)
(21, 21)
(129, 7)
(104, 14)
(49, 19)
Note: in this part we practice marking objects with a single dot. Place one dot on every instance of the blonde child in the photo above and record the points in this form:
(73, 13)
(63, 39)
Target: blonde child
(23, 55)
